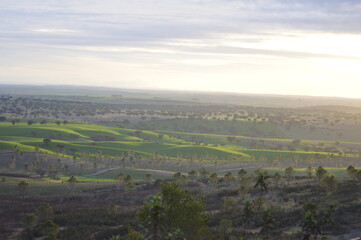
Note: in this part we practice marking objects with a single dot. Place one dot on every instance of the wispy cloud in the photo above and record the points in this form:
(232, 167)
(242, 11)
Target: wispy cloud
(165, 38)
(53, 30)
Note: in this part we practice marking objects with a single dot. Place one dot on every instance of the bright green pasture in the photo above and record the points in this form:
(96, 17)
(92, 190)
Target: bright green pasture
(222, 139)
(264, 129)
(145, 143)
(172, 150)
(22, 136)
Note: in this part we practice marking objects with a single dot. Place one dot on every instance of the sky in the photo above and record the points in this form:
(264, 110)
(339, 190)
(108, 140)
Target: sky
(292, 47)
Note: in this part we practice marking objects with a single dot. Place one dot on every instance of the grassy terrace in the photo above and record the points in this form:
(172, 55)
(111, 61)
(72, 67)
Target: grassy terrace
(145, 143)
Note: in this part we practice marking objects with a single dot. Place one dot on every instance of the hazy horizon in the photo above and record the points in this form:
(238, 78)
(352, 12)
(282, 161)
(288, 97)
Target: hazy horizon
(185, 92)
(277, 47)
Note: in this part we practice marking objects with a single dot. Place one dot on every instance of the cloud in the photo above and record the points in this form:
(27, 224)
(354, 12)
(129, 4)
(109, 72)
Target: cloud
(170, 40)
(150, 23)
(121, 21)
(54, 30)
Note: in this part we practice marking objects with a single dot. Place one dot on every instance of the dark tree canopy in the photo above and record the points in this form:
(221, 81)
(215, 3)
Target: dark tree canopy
(177, 210)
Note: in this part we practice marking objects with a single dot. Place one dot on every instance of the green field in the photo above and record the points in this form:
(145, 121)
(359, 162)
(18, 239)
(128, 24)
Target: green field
(145, 143)
(165, 153)
(238, 127)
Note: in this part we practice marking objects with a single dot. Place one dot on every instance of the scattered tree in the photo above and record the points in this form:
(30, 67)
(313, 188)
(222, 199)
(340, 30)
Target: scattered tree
(46, 141)
(23, 187)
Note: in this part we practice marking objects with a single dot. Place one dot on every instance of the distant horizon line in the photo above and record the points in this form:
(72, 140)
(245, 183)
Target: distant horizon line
(180, 91)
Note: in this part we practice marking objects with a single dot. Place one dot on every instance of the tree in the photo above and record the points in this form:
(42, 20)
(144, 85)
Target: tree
(175, 235)
(225, 225)
(44, 212)
(61, 147)
(23, 187)
(203, 173)
(289, 172)
(48, 229)
(128, 179)
(120, 177)
(309, 171)
(29, 221)
(72, 181)
(12, 162)
(177, 176)
(30, 122)
(229, 203)
(277, 178)
(40, 171)
(174, 209)
(320, 174)
(248, 211)
(148, 178)
(180, 178)
(43, 122)
(73, 150)
(242, 173)
(52, 171)
(358, 175)
(228, 177)
(137, 133)
(213, 178)
(129, 185)
(267, 222)
(192, 174)
(117, 237)
(352, 172)
(296, 142)
(310, 226)
(113, 210)
(231, 139)
(132, 235)
(153, 216)
(74, 136)
(315, 218)
(52, 235)
(261, 181)
(46, 141)
(330, 184)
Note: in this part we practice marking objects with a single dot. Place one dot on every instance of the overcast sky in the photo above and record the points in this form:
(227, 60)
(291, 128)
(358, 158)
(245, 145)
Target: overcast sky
(288, 47)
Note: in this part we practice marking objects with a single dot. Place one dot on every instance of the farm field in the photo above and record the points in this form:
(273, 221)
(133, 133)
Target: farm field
(146, 143)
(82, 149)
